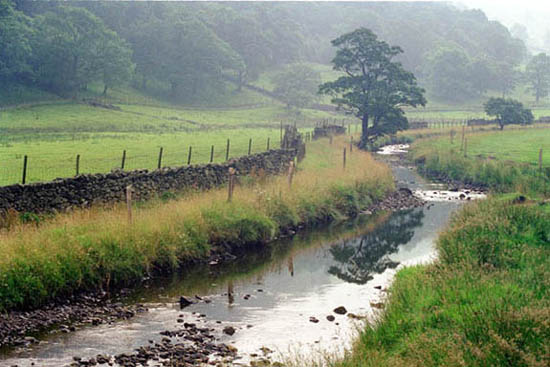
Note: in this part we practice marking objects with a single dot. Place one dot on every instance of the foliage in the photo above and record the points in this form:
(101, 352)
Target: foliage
(508, 111)
(297, 85)
(70, 47)
(374, 87)
(455, 76)
(448, 66)
(15, 41)
(537, 74)
(239, 41)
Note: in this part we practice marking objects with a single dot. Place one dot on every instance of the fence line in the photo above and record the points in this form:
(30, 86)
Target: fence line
(29, 168)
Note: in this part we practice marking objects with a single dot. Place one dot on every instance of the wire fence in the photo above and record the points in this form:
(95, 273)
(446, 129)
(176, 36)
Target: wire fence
(24, 169)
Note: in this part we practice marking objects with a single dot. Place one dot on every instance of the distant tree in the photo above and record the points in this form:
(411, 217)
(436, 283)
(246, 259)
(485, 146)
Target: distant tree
(506, 78)
(115, 61)
(519, 31)
(15, 45)
(537, 74)
(449, 74)
(508, 111)
(546, 40)
(73, 47)
(297, 85)
(374, 88)
(481, 76)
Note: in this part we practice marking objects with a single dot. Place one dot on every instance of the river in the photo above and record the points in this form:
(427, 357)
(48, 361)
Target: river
(277, 300)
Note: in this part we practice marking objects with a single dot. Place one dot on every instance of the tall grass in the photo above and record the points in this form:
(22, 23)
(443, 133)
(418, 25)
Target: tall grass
(98, 248)
(486, 302)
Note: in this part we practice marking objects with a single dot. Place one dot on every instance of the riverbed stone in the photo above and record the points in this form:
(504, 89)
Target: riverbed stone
(341, 310)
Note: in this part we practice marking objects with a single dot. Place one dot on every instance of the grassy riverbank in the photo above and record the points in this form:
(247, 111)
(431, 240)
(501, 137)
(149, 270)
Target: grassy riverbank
(486, 300)
(503, 161)
(97, 248)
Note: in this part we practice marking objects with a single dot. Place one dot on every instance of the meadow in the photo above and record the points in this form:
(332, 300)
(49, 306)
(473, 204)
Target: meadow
(502, 161)
(53, 133)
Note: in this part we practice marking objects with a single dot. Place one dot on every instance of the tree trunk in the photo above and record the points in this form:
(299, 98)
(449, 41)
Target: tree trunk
(105, 90)
(174, 88)
(363, 144)
(240, 84)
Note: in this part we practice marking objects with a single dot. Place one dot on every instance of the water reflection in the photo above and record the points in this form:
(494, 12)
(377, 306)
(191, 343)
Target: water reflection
(358, 258)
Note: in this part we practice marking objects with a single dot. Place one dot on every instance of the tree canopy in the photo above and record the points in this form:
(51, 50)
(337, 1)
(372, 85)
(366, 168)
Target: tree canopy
(537, 74)
(237, 41)
(508, 111)
(297, 85)
(374, 87)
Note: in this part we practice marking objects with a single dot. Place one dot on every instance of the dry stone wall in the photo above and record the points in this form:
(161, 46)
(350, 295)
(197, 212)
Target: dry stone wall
(87, 190)
(328, 130)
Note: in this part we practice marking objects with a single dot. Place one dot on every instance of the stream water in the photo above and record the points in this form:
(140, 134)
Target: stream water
(269, 297)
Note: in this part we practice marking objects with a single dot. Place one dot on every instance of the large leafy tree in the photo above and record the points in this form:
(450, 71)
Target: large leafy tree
(508, 111)
(15, 45)
(114, 61)
(448, 71)
(73, 47)
(374, 87)
(537, 74)
(297, 85)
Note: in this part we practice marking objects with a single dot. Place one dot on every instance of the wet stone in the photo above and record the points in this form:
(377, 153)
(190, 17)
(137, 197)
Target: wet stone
(340, 310)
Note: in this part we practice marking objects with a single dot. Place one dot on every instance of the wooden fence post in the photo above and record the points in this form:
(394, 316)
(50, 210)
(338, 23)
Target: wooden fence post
(540, 160)
(290, 173)
(267, 144)
(465, 147)
(77, 164)
(249, 146)
(24, 178)
(344, 158)
(351, 145)
(160, 159)
(212, 154)
(129, 202)
(330, 139)
(189, 155)
(462, 141)
(230, 184)
(227, 151)
(123, 160)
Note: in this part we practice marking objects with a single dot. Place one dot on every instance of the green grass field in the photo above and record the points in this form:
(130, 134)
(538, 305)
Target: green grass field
(55, 155)
(53, 133)
(521, 145)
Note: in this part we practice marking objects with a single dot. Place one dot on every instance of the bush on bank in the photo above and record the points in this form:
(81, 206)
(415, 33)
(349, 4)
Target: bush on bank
(98, 248)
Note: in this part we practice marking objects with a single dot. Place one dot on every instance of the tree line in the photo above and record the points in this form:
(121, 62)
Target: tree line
(188, 49)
